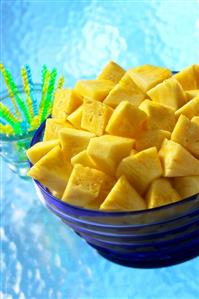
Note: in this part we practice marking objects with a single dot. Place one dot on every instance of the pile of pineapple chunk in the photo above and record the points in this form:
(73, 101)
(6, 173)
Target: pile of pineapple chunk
(128, 140)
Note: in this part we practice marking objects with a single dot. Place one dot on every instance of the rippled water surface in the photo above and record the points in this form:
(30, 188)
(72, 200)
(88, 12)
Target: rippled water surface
(41, 258)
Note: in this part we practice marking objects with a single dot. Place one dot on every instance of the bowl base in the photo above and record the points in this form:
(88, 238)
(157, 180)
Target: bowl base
(149, 264)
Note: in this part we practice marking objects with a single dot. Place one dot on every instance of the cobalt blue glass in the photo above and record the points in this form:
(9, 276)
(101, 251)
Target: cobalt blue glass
(152, 238)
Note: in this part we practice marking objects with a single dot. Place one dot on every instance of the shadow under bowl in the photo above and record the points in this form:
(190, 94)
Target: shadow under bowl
(153, 238)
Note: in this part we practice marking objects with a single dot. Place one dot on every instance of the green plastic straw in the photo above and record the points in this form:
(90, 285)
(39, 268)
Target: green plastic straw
(44, 91)
(27, 91)
(48, 98)
(19, 101)
(10, 92)
(6, 114)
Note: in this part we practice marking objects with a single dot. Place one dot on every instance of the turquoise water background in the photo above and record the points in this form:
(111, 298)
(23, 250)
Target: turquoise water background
(41, 258)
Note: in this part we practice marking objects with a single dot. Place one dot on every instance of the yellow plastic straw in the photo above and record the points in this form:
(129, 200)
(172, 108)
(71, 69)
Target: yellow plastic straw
(6, 129)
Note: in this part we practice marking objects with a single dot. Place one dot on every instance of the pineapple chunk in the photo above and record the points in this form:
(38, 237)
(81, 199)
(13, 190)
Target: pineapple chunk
(107, 151)
(196, 69)
(95, 116)
(75, 117)
(161, 193)
(195, 120)
(186, 186)
(73, 102)
(147, 76)
(52, 170)
(160, 117)
(125, 90)
(40, 149)
(192, 94)
(177, 161)
(74, 141)
(56, 194)
(84, 159)
(149, 138)
(53, 126)
(106, 187)
(60, 103)
(187, 78)
(112, 71)
(123, 197)
(84, 185)
(190, 109)
(186, 133)
(126, 121)
(95, 89)
(168, 93)
(141, 169)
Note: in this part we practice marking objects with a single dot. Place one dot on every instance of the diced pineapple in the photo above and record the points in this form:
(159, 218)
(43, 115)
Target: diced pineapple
(161, 193)
(133, 152)
(107, 151)
(186, 133)
(192, 94)
(126, 121)
(125, 90)
(73, 102)
(84, 159)
(76, 117)
(151, 137)
(106, 187)
(112, 71)
(190, 109)
(186, 186)
(60, 103)
(40, 149)
(195, 120)
(56, 194)
(147, 76)
(52, 170)
(177, 161)
(160, 117)
(94, 89)
(84, 186)
(74, 141)
(141, 169)
(187, 78)
(196, 70)
(168, 93)
(53, 126)
(95, 116)
(123, 197)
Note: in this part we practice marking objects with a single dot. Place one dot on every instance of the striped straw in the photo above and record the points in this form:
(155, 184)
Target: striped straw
(7, 115)
(60, 82)
(10, 92)
(29, 77)
(27, 91)
(6, 129)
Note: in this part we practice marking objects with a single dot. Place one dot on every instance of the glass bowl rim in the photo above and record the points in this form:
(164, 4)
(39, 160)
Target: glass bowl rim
(98, 213)
(4, 95)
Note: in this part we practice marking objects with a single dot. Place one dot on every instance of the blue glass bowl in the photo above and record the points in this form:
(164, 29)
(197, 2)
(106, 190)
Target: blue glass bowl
(152, 238)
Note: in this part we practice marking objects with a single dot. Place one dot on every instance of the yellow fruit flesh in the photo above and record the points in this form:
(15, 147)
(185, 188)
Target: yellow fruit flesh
(53, 170)
(190, 109)
(150, 138)
(40, 149)
(125, 90)
(177, 161)
(75, 117)
(161, 193)
(147, 76)
(60, 102)
(107, 151)
(126, 120)
(141, 169)
(192, 94)
(73, 102)
(186, 133)
(168, 93)
(95, 116)
(83, 186)
(186, 186)
(187, 78)
(53, 126)
(84, 159)
(123, 197)
(160, 117)
(74, 141)
(195, 120)
(94, 89)
(112, 71)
